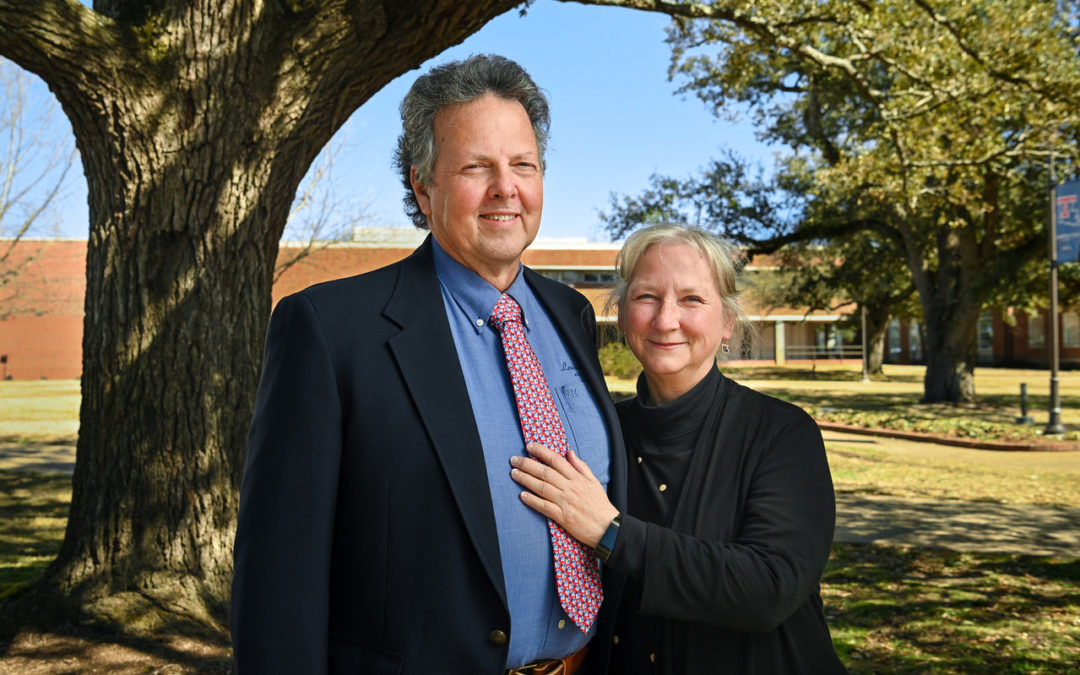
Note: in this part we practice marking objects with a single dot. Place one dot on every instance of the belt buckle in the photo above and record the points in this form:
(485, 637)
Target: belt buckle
(548, 667)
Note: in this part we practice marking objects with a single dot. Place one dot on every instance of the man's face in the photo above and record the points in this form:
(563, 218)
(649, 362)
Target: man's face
(487, 193)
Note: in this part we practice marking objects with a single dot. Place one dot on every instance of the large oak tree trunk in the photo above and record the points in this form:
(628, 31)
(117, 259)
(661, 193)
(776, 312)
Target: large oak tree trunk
(950, 360)
(951, 296)
(877, 323)
(196, 122)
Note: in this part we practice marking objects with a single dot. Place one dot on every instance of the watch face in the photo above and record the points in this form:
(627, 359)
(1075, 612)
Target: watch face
(607, 542)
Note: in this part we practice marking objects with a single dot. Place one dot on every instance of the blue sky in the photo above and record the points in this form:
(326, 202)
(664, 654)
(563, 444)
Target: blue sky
(615, 118)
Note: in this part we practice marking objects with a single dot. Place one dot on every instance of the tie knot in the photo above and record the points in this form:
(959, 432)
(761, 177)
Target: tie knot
(506, 310)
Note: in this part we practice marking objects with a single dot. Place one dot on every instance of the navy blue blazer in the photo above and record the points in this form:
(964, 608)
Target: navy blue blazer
(366, 540)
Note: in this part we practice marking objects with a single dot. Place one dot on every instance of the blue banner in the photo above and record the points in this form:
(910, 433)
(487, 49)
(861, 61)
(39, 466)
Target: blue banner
(1067, 212)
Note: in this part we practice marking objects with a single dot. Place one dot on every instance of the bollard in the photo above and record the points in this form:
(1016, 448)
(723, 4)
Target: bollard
(1024, 417)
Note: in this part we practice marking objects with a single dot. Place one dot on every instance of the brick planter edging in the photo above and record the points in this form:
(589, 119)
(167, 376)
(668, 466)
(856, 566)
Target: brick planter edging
(945, 439)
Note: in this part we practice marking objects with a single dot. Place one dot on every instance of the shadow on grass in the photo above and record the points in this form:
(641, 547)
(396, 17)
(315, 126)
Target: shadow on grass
(33, 515)
(903, 610)
(72, 649)
(849, 401)
(17, 439)
(901, 401)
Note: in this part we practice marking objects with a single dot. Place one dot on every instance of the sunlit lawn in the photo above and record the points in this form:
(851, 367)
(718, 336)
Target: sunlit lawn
(890, 610)
(39, 410)
(891, 400)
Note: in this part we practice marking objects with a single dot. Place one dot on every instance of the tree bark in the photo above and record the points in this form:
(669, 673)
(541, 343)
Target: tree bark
(877, 323)
(950, 363)
(951, 296)
(196, 122)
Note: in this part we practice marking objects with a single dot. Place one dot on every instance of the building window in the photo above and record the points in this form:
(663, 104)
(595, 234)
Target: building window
(1070, 323)
(580, 277)
(1036, 332)
(895, 348)
(914, 341)
(986, 335)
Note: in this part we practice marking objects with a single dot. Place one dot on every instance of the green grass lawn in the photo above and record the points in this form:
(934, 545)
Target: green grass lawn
(40, 411)
(33, 514)
(891, 610)
(891, 400)
(894, 610)
(870, 470)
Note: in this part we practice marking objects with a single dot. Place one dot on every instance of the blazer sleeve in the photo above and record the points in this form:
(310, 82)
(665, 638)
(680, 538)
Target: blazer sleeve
(754, 580)
(280, 592)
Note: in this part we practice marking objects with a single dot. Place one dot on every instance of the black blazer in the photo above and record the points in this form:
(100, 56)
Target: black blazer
(366, 540)
(735, 579)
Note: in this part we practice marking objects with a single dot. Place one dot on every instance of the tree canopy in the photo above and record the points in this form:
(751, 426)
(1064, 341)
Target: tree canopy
(928, 127)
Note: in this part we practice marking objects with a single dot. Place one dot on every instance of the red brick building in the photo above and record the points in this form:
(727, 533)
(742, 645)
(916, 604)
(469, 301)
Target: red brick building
(1020, 339)
(41, 311)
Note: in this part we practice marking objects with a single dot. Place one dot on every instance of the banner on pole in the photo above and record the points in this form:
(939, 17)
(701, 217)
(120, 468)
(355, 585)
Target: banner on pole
(1067, 213)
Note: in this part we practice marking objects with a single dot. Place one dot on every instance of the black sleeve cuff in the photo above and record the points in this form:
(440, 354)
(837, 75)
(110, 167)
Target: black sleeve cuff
(628, 554)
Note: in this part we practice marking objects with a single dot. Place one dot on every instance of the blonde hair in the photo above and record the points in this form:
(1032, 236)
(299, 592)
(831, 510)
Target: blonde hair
(723, 258)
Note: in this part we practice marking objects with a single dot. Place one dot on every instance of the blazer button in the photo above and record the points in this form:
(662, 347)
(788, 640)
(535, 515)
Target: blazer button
(497, 637)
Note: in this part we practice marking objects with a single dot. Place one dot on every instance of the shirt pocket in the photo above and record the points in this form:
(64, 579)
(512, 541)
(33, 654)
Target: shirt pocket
(586, 432)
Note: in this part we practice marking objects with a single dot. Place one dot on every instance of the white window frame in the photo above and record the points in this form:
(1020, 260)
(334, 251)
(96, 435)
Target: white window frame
(1036, 330)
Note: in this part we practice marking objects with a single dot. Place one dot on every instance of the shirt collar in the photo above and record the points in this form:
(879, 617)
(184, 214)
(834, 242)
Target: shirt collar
(473, 295)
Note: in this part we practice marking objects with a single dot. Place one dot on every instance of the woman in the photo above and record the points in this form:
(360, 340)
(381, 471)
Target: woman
(731, 513)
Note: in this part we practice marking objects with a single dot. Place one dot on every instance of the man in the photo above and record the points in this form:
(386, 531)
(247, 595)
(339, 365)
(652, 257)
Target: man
(379, 529)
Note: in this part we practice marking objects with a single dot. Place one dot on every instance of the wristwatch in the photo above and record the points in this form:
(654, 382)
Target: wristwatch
(607, 542)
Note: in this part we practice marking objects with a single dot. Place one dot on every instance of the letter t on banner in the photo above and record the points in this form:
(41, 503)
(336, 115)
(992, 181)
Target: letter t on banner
(1067, 210)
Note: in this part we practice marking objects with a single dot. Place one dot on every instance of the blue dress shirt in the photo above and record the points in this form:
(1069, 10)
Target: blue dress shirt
(539, 627)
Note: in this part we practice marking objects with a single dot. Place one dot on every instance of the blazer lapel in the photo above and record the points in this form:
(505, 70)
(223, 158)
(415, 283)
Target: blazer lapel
(427, 357)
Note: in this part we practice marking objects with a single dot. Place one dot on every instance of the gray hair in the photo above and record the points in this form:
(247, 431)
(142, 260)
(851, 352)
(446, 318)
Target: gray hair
(723, 257)
(456, 83)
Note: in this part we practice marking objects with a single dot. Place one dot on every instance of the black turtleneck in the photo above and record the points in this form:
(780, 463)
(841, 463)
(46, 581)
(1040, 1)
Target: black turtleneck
(660, 446)
(660, 443)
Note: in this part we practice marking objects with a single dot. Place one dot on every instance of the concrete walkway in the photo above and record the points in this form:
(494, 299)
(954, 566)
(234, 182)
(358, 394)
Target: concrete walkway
(986, 527)
(955, 525)
(981, 527)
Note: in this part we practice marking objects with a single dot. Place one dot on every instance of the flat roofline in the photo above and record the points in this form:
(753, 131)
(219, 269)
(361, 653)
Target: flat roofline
(763, 319)
(560, 268)
(796, 318)
(571, 244)
(43, 239)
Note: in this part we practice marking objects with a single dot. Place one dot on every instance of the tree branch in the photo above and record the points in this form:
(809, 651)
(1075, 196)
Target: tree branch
(60, 41)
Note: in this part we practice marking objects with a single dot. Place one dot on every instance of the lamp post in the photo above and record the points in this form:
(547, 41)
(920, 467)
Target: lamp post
(1053, 424)
(865, 353)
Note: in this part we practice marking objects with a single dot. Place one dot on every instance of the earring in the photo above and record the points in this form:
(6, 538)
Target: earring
(724, 347)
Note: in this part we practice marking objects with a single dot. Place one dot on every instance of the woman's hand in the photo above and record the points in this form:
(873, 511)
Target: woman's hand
(565, 490)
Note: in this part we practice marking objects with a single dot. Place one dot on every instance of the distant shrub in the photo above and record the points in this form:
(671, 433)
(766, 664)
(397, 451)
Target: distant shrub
(618, 361)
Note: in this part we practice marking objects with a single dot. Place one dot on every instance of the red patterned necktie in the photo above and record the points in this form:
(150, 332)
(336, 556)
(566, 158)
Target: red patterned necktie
(577, 578)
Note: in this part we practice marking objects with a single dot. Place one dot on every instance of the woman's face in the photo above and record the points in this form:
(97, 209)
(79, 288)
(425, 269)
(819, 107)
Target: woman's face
(673, 317)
